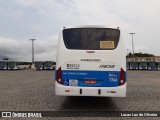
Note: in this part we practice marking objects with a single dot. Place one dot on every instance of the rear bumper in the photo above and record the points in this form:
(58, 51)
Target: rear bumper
(62, 90)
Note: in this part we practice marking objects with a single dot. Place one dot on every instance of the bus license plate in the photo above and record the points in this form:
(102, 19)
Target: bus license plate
(73, 82)
(90, 81)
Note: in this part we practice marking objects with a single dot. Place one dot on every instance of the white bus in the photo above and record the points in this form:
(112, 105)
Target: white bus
(12, 65)
(48, 65)
(158, 65)
(39, 65)
(3, 65)
(23, 65)
(133, 65)
(143, 65)
(127, 65)
(90, 61)
(152, 65)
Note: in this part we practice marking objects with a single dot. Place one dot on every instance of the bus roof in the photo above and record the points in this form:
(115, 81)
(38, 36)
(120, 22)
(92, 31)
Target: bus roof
(90, 26)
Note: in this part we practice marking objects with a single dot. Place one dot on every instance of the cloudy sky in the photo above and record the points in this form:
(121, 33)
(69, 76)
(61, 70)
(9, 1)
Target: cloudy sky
(21, 20)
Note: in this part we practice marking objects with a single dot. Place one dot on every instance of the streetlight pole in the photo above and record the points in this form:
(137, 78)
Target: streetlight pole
(132, 43)
(32, 49)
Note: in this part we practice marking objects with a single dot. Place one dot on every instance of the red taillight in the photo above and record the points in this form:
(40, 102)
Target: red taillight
(113, 91)
(67, 90)
(122, 77)
(59, 76)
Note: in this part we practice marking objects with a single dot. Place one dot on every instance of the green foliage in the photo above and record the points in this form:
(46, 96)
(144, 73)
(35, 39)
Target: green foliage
(5, 58)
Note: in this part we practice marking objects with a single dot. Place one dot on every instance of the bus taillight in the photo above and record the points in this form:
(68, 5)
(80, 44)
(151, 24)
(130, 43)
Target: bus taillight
(59, 76)
(122, 77)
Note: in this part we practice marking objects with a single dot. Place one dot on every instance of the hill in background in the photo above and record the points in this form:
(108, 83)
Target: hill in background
(2, 57)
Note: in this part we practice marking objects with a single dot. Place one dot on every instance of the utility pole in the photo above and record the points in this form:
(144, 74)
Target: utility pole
(32, 49)
(132, 43)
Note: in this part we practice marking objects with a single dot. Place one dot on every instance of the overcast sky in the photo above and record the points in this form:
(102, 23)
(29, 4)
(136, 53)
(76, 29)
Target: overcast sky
(21, 20)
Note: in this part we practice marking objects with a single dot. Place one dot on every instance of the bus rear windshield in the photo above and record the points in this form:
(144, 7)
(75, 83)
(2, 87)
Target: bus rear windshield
(91, 38)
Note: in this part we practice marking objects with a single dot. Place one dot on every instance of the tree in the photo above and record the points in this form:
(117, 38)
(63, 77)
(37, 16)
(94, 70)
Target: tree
(140, 54)
(129, 55)
(5, 58)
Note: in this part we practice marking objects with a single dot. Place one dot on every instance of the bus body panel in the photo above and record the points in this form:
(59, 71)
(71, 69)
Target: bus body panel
(104, 73)
(100, 67)
(91, 91)
(22, 65)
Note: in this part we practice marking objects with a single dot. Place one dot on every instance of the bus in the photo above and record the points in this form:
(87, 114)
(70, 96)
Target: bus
(127, 65)
(133, 65)
(90, 61)
(158, 65)
(152, 65)
(48, 65)
(38, 65)
(12, 65)
(3, 65)
(23, 65)
(143, 65)
(54, 65)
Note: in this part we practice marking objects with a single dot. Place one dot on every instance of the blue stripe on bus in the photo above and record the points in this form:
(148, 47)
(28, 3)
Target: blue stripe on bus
(103, 78)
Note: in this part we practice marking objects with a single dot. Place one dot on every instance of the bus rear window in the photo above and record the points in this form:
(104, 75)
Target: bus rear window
(91, 38)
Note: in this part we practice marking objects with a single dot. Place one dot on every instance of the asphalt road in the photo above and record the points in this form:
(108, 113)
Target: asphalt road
(29, 90)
